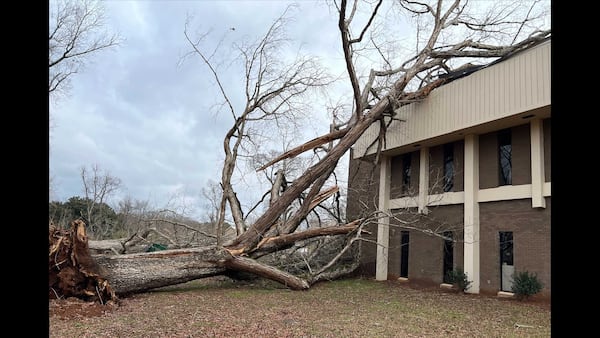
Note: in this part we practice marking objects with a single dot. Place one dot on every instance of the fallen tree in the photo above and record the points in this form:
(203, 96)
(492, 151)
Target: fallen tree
(75, 272)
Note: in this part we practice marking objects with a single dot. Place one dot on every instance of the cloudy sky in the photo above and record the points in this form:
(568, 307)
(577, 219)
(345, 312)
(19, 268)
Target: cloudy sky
(147, 116)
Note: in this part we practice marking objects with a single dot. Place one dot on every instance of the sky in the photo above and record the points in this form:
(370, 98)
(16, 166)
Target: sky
(146, 116)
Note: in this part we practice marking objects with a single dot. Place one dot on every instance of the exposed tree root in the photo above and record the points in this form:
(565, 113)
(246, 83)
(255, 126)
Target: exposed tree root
(72, 270)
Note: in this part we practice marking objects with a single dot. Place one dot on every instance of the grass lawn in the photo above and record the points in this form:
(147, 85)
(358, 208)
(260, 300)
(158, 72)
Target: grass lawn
(344, 308)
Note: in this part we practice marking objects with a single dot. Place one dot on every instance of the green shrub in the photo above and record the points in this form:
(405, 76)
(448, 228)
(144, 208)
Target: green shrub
(526, 284)
(458, 278)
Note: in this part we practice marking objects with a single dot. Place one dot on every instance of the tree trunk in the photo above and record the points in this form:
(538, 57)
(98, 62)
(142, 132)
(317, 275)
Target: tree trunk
(75, 272)
(140, 272)
(250, 239)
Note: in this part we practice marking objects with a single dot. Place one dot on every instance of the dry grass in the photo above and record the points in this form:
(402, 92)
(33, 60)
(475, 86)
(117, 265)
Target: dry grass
(345, 308)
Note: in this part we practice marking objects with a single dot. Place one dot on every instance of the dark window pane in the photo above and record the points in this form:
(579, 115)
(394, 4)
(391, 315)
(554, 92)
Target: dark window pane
(406, 172)
(404, 240)
(448, 256)
(505, 157)
(448, 167)
(506, 247)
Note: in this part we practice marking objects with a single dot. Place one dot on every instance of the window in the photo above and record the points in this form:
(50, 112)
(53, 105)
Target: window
(404, 240)
(406, 173)
(506, 247)
(448, 256)
(507, 262)
(505, 157)
(448, 167)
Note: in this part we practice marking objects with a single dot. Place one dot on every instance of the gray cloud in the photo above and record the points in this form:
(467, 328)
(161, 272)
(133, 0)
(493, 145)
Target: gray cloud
(148, 118)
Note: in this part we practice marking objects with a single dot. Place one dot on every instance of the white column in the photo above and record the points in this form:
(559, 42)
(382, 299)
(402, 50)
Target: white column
(537, 164)
(383, 228)
(471, 209)
(423, 180)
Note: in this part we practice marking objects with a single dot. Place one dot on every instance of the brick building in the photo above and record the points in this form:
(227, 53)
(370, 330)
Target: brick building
(471, 162)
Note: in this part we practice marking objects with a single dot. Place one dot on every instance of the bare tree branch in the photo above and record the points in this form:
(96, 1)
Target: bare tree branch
(362, 33)
(312, 144)
(212, 70)
(270, 89)
(345, 35)
(183, 225)
(279, 242)
(76, 32)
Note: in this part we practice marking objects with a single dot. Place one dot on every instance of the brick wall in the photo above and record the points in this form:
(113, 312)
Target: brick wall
(488, 160)
(363, 190)
(436, 169)
(394, 253)
(547, 149)
(397, 176)
(425, 263)
(459, 168)
(531, 237)
(521, 157)
(530, 227)
(521, 154)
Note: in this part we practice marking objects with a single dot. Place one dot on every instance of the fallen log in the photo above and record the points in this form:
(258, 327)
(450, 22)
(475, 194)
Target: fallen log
(148, 270)
(134, 244)
(74, 272)
(108, 245)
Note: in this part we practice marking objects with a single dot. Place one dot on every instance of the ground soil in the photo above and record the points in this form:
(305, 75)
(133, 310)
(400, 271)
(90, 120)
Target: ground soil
(219, 307)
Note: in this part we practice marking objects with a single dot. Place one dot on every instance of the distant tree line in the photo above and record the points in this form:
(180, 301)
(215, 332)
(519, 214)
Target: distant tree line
(104, 222)
(131, 217)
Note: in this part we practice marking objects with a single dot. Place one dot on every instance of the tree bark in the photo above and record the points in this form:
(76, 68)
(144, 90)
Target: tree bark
(271, 244)
(140, 272)
(250, 265)
(75, 272)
